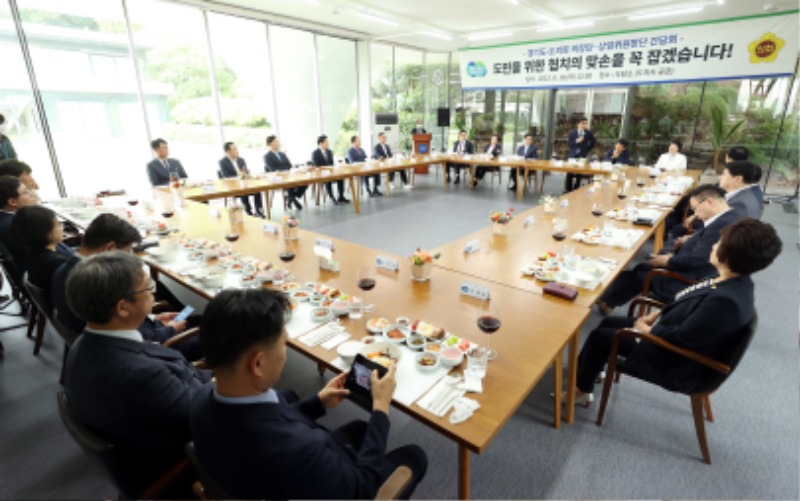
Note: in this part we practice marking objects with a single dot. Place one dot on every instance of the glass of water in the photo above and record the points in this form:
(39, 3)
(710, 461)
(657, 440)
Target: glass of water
(356, 309)
(477, 361)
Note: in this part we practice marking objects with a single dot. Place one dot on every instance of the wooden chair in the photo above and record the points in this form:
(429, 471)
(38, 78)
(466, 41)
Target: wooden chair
(18, 292)
(44, 311)
(716, 373)
(68, 336)
(207, 488)
(120, 469)
(661, 272)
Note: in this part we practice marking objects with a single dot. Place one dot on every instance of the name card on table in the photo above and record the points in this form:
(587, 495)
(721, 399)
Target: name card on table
(270, 228)
(209, 189)
(528, 221)
(322, 242)
(326, 261)
(472, 246)
(387, 263)
(475, 290)
(214, 212)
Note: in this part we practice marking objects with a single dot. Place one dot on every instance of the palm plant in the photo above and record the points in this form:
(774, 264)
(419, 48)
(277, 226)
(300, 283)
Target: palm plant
(721, 133)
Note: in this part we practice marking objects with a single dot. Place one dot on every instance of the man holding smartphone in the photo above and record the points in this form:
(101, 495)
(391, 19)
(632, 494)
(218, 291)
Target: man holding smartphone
(259, 443)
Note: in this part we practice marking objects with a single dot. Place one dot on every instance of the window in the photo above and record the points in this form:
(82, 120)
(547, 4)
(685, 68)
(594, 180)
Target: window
(436, 73)
(381, 60)
(338, 91)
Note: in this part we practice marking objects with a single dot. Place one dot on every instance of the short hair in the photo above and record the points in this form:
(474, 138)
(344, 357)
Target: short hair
(462, 131)
(757, 171)
(529, 135)
(624, 142)
(99, 282)
(580, 119)
(32, 226)
(381, 134)
(745, 169)
(236, 320)
(9, 188)
(321, 139)
(748, 246)
(353, 139)
(271, 138)
(738, 153)
(228, 145)
(156, 143)
(678, 143)
(14, 168)
(2, 119)
(706, 191)
(107, 228)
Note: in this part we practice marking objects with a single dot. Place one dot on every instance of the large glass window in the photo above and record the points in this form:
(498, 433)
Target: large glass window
(530, 111)
(80, 54)
(782, 171)
(338, 91)
(457, 101)
(608, 107)
(570, 106)
(435, 96)
(296, 88)
(242, 70)
(18, 108)
(172, 54)
(381, 59)
(409, 82)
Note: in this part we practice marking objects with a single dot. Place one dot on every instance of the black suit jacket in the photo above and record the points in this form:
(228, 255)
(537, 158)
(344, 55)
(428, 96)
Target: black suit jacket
(356, 155)
(494, 152)
(18, 253)
(421, 130)
(135, 395)
(707, 321)
(151, 330)
(42, 265)
(624, 158)
(582, 149)
(468, 147)
(278, 451)
(747, 203)
(159, 175)
(693, 258)
(527, 153)
(380, 154)
(228, 170)
(275, 161)
(319, 159)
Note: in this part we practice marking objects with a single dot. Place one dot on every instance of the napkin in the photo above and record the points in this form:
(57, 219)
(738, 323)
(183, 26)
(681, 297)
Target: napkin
(473, 383)
(464, 409)
(441, 397)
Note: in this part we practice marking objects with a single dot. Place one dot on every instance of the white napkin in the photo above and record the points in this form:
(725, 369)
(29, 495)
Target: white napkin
(441, 397)
(472, 383)
(464, 409)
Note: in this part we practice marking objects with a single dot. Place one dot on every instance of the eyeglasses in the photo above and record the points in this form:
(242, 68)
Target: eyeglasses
(151, 287)
(699, 202)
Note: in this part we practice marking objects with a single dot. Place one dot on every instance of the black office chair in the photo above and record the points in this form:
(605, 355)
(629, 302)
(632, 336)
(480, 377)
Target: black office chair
(44, 311)
(716, 372)
(68, 336)
(122, 472)
(18, 292)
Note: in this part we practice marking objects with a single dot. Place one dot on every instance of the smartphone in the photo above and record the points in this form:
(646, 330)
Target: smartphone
(183, 315)
(359, 380)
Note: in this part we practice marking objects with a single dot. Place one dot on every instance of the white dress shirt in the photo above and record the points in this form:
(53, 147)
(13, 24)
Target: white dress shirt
(672, 162)
(130, 335)
(268, 397)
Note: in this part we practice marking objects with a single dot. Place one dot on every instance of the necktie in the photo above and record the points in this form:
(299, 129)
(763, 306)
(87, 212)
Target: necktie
(166, 164)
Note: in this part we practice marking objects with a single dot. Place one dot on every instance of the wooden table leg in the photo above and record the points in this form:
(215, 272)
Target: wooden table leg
(444, 178)
(269, 205)
(572, 375)
(558, 369)
(472, 176)
(463, 472)
(519, 185)
(388, 186)
(356, 205)
(658, 238)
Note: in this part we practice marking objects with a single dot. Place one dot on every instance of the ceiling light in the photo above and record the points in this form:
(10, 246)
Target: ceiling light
(435, 34)
(485, 36)
(515, 2)
(551, 19)
(720, 2)
(666, 13)
(557, 27)
(373, 17)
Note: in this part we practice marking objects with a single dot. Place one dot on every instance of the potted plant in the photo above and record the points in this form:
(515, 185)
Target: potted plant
(721, 134)
(499, 221)
(422, 264)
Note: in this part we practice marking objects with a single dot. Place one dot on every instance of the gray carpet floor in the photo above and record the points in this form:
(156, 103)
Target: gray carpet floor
(645, 450)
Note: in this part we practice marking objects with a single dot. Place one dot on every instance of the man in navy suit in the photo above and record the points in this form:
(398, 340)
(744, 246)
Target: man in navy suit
(105, 233)
(323, 157)
(383, 151)
(690, 260)
(13, 196)
(131, 393)
(580, 142)
(528, 152)
(355, 155)
(232, 165)
(274, 161)
(162, 167)
(461, 147)
(418, 128)
(258, 443)
(619, 154)
(738, 179)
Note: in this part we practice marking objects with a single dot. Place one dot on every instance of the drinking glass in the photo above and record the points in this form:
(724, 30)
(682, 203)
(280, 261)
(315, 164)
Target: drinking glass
(640, 182)
(489, 324)
(476, 362)
(559, 229)
(597, 209)
(356, 309)
(366, 278)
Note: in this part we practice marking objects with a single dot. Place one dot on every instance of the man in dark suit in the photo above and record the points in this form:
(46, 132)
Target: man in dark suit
(355, 155)
(162, 167)
(619, 154)
(418, 128)
(580, 142)
(528, 152)
(690, 260)
(21, 170)
(258, 443)
(323, 157)
(738, 179)
(382, 152)
(131, 393)
(275, 161)
(108, 232)
(494, 149)
(13, 196)
(232, 165)
(461, 147)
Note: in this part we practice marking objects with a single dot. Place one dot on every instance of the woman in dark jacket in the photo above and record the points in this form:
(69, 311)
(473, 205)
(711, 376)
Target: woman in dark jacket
(704, 318)
(38, 230)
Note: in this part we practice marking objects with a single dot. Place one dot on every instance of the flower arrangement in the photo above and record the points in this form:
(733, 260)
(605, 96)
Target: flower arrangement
(290, 221)
(549, 202)
(501, 217)
(420, 257)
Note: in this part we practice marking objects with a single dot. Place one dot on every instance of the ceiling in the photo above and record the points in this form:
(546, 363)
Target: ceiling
(458, 19)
